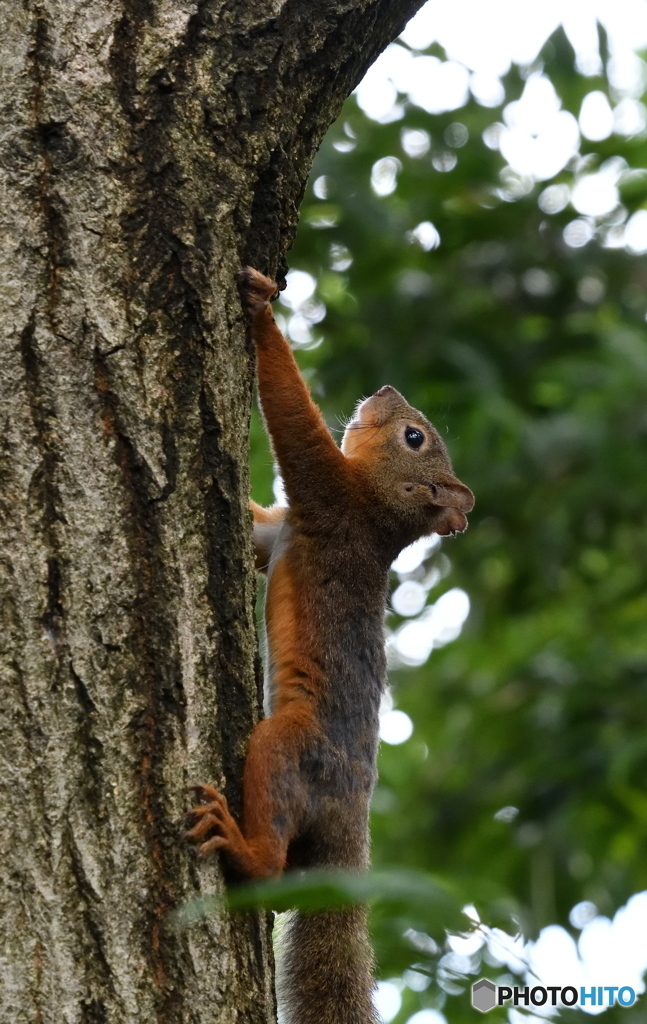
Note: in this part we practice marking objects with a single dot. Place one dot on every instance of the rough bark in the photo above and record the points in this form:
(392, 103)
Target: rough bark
(145, 151)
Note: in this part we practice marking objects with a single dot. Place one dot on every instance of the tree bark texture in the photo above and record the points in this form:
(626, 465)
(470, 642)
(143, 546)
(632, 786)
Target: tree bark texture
(146, 150)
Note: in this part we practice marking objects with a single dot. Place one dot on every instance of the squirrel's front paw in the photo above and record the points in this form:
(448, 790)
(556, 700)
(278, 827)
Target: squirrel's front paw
(255, 289)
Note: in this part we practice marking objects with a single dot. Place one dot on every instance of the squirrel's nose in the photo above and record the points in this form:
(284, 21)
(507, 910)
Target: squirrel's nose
(383, 391)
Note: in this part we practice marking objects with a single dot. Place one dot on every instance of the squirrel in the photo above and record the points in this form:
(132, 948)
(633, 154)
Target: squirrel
(311, 764)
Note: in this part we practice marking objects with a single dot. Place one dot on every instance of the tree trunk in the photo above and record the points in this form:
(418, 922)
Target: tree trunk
(145, 152)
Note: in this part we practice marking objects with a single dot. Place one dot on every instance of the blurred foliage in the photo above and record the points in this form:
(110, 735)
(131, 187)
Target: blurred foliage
(541, 393)
(396, 892)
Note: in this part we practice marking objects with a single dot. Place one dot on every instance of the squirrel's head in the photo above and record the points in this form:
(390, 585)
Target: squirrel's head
(407, 465)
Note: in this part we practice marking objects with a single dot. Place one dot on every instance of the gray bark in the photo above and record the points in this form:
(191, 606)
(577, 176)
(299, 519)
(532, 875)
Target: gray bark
(145, 151)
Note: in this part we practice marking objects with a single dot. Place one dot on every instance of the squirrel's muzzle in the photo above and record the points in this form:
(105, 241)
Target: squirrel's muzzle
(452, 494)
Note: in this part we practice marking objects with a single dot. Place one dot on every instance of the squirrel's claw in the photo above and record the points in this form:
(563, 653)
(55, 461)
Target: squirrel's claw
(212, 816)
(255, 289)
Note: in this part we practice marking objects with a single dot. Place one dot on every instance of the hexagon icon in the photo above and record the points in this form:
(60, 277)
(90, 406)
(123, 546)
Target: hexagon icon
(483, 995)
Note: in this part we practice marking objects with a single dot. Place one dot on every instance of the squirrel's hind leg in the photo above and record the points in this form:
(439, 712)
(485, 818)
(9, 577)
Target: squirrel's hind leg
(274, 797)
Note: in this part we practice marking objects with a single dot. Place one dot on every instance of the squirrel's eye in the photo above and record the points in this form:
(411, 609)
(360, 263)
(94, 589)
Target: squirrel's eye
(414, 437)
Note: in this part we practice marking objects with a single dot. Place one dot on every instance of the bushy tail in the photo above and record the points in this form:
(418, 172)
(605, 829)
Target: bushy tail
(325, 969)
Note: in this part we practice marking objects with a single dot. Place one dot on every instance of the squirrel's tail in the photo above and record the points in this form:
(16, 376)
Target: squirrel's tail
(325, 969)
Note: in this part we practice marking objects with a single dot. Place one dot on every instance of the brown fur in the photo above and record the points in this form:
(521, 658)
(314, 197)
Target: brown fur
(310, 767)
(267, 523)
